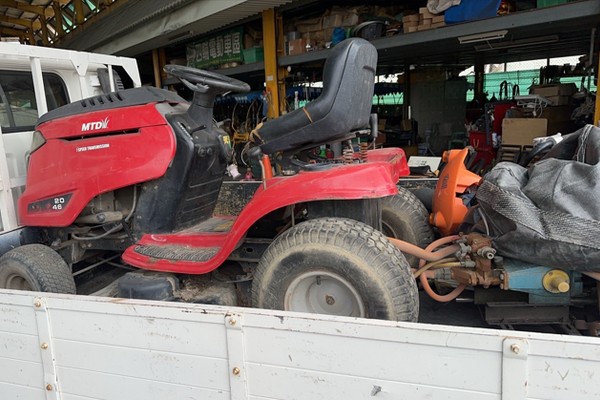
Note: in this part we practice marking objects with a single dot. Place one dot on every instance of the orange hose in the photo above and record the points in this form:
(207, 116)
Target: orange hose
(428, 255)
(442, 299)
(267, 169)
(425, 283)
(425, 254)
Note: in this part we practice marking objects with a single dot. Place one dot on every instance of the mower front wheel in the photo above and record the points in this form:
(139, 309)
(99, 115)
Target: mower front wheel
(37, 268)
(337, 267)
(404, 217)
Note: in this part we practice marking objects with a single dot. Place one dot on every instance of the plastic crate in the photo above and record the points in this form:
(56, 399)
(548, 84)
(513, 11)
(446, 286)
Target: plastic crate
(252, 55)
(548, 3)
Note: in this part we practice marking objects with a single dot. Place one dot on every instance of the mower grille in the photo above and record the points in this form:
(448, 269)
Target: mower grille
(177, 253)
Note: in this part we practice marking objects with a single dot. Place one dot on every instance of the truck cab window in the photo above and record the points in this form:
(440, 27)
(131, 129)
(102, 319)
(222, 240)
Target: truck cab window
(18, 107)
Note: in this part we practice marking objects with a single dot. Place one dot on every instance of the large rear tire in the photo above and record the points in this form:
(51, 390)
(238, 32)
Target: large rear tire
(404, 217)
(339, 267)
(37, 268)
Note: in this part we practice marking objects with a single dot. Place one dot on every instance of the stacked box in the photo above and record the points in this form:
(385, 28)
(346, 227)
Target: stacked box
(410, 23)
(427, 20)
(437, 21)
(297, 46)
(558, 94)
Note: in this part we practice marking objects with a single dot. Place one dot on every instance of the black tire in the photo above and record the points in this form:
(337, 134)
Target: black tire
(37, 268)
(333, 258)
(404, 217)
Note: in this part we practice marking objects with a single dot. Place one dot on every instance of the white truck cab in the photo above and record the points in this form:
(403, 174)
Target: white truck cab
(34, 80)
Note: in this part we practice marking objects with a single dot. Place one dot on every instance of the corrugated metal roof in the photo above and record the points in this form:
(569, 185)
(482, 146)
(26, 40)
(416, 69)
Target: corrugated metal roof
(142, 25)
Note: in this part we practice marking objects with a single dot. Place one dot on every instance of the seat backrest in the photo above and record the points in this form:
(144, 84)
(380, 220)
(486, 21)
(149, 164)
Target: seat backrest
(343, 106)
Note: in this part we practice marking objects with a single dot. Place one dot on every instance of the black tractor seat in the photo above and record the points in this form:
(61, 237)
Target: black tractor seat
(344, 105)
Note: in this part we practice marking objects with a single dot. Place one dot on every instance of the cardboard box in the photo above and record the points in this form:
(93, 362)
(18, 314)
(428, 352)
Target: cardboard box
(563, 89)
(333, 20)
(412, 29)
(424, 11)
(437, 19)
(559, 119)
(316, 36)
(297, 46)
(410, 18)
(310, 25)
(559, 100)
(406, 26)
(438, 25)
(522, 131)
(381, 139)
(423, 27)
(406, 125)
(425, 21)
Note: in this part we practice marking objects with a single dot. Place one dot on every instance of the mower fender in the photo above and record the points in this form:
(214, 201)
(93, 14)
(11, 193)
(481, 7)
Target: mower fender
(374, 179)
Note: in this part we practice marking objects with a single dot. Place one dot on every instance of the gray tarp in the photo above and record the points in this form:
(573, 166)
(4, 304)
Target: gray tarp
(548, 214)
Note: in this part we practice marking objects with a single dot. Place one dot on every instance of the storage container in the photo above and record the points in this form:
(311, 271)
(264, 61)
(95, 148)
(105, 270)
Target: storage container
(548, 3)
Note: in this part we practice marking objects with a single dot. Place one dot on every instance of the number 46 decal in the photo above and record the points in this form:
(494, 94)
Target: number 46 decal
(52, 204)
(58, 203)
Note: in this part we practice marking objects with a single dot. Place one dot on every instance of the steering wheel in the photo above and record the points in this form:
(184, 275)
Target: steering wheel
(202, 80)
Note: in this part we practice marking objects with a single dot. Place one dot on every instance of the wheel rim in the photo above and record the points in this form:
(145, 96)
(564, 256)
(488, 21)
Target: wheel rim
(17, 282)
(323, 292)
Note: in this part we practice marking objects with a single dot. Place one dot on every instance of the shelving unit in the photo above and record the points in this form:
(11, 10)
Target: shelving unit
(566, 30)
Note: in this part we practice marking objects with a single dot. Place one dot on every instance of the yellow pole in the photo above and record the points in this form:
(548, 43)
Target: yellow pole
(273, 88)
(156, 68)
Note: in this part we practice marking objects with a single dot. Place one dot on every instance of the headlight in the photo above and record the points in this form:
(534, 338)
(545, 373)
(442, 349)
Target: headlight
(37, 141)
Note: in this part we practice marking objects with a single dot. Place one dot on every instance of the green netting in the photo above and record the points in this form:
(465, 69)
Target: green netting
(522, 78)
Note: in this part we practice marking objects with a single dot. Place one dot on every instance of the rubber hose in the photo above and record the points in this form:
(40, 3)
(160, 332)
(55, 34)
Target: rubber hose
(443, 263)
(425, 283)
(427, 255)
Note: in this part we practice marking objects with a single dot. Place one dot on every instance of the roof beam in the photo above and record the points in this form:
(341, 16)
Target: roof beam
(17, 21)
(79, 13)
(58, 19)
(39, 10)
(22, 35)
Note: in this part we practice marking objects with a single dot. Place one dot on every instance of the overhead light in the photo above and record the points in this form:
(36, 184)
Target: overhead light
(517, 43)
(482, 37)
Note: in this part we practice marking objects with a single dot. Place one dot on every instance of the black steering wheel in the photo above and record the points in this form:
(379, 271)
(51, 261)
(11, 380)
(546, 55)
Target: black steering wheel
(202, 81)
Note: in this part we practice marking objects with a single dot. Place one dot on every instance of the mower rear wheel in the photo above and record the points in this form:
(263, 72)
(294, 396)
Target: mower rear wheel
(404, 217)
(37, 268)
(336, 266)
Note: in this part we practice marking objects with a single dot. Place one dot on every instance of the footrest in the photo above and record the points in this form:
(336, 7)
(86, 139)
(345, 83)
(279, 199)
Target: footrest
(177, 253)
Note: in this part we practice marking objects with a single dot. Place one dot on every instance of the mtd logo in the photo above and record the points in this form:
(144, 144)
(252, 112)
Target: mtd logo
(94, 126)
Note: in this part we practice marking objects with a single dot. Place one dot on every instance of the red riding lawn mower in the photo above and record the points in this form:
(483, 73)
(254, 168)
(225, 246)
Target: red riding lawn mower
(141, 173)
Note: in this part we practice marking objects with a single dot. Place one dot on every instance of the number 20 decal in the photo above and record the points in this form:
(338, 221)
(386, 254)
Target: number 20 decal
(58, 203)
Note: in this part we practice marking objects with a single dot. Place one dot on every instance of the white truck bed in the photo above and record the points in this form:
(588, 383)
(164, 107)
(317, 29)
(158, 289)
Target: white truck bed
(79, 348)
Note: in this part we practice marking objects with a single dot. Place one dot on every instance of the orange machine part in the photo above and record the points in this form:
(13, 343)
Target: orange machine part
(448, 208)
